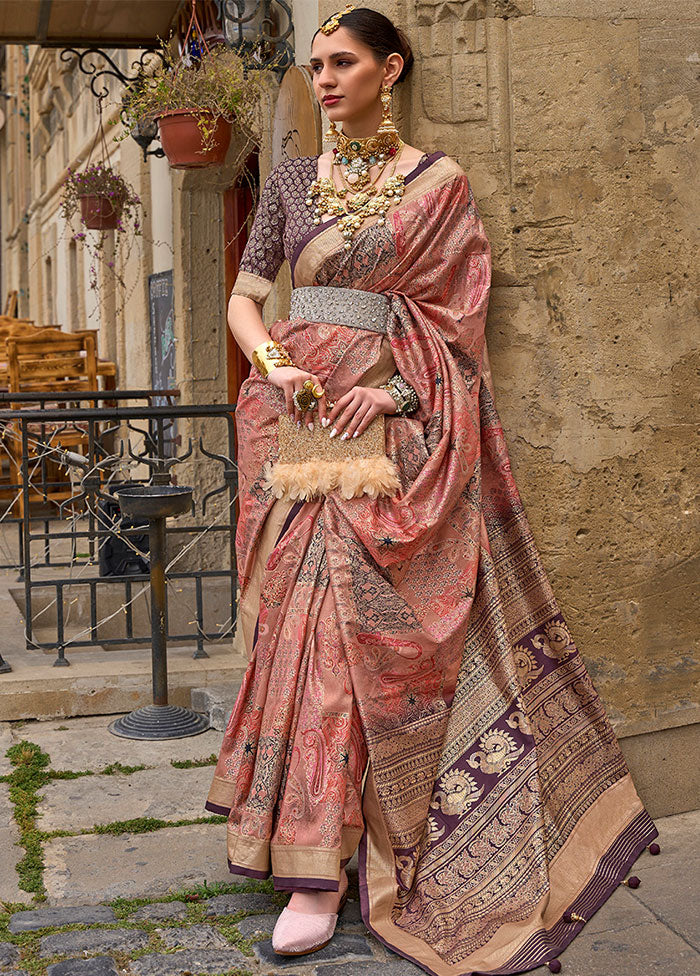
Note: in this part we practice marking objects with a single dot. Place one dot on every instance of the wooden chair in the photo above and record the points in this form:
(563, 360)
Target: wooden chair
(105, 367)
(11, 303)
(9, 327)
(52, 361)
(48, 363)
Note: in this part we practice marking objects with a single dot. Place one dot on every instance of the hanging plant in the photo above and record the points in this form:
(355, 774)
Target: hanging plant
(195, 99)
(105, 201)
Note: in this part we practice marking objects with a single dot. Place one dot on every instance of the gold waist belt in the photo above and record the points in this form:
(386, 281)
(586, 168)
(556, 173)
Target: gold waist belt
(341, 306)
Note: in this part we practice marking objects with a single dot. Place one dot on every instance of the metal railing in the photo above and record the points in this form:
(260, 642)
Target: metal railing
(40, 477)
(120, 443)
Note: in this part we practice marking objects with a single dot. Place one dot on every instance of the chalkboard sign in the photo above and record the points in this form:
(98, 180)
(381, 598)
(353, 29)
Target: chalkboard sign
(162, 316)
(160, 294)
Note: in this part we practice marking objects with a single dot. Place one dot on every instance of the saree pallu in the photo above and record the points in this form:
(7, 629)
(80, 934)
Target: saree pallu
(415, 640)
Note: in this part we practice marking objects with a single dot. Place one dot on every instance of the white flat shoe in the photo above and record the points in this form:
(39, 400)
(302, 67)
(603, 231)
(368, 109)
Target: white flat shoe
(298, 933)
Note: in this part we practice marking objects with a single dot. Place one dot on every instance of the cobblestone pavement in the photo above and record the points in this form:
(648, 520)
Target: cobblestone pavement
(134, 881)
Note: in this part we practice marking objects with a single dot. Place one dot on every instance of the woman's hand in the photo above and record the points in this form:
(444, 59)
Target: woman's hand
(355, 410)
(289, 379)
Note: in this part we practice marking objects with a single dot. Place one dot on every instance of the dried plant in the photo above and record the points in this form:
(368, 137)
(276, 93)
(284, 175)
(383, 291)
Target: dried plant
(222, 84)
(101, 180)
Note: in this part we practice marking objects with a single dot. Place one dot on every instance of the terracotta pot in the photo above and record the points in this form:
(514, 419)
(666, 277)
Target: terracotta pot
(98, 212)
(182, 140)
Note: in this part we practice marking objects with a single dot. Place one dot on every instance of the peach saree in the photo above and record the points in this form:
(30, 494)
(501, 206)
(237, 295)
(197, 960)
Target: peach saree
(412, 684)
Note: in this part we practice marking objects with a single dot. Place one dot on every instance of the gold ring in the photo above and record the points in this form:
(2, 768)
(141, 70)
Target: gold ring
(314, 388)
(304, 400)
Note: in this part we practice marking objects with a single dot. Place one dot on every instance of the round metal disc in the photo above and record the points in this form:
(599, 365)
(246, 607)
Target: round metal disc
(159, 722)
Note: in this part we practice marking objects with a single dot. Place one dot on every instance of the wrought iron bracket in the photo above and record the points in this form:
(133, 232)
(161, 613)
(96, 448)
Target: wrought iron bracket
(91, 69)
(88, 66)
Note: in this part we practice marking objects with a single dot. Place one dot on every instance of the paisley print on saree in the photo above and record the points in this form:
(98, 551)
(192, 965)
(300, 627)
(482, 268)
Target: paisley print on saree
(412, 682)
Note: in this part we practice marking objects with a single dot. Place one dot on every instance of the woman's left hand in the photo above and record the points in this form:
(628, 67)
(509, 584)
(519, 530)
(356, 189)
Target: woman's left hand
(355, 410)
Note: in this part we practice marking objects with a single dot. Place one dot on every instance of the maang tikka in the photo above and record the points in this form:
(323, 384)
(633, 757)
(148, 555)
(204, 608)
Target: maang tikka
(333, 22)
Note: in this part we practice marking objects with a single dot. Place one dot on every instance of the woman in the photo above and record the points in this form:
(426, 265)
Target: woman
(412, 686)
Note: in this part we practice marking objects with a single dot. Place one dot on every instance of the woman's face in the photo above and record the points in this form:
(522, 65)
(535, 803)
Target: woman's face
(346, 68)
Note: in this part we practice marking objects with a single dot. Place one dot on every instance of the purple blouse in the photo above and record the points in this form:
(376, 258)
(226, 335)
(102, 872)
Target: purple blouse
(282, 222)
(281, 219)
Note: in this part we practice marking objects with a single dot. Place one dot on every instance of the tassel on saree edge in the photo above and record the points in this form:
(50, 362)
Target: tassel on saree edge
(633, 881)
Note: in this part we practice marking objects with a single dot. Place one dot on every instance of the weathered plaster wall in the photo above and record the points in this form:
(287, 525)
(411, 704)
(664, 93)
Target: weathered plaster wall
(577, 126)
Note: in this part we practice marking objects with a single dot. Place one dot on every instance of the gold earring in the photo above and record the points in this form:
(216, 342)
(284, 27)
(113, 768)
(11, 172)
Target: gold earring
(387, 123)
(332, 134)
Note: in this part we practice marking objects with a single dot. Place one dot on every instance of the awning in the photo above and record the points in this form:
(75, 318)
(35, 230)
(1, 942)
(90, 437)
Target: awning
(86, 23)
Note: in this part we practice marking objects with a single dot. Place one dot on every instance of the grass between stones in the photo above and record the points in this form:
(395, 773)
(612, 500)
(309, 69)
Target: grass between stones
(123, 770)
(26, 779)
(194, 898)
(113, 770)
(141, 825)
(31, 772)
(194, 763)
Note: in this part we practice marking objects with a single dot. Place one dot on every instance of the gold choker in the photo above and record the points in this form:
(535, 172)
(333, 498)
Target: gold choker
(369, 148)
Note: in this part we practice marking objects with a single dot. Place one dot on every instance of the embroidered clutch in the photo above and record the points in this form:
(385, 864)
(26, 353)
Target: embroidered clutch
(312, 463)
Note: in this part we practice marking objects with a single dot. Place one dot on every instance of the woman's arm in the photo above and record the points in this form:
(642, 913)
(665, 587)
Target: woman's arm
(246, 324)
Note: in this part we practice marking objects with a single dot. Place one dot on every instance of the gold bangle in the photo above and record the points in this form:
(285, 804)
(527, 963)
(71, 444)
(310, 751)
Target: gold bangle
(270, 354)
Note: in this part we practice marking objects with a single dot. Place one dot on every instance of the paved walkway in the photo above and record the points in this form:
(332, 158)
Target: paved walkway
(134, 879)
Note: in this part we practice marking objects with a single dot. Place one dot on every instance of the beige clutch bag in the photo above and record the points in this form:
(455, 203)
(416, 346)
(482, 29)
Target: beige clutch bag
(312, 463)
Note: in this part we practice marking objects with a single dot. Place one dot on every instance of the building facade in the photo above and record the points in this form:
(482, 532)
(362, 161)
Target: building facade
(577, 126)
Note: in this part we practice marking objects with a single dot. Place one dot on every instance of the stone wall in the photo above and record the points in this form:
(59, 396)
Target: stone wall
(577, 126)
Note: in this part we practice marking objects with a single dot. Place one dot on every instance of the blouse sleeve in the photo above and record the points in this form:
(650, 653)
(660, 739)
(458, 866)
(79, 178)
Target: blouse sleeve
(264, 251)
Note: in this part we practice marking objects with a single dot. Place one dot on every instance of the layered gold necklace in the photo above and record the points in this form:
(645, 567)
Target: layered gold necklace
(360, 197)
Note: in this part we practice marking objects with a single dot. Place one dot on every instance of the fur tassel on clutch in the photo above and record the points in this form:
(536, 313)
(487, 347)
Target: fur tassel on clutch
(311, 464)
(353, 477)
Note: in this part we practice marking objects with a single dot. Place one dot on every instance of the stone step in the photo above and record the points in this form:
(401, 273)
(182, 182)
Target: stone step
(217, 701)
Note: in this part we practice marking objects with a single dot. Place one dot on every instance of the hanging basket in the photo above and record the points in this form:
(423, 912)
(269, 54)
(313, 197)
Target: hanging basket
(98, 212)
(182, 140)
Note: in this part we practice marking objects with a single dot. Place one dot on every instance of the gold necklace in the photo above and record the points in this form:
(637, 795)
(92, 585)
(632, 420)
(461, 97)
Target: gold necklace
(360, 205)
(362, 153)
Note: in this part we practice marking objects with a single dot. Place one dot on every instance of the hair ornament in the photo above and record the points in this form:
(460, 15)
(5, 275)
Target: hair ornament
(333, 22)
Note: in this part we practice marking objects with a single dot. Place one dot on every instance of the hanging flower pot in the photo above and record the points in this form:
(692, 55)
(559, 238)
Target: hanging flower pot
(191, 141)
(103, 200)
(102, 196)
(195, 102)
(98, 212)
